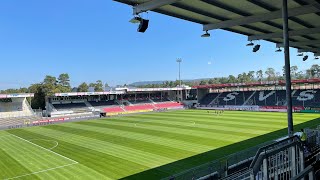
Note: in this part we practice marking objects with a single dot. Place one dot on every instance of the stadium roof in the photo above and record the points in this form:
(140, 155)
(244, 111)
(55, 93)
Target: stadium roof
(258, 19)
(263, 83)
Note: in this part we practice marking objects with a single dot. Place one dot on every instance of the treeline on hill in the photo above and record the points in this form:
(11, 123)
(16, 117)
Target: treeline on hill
(269, 74)
(61, 84)
(51, 85)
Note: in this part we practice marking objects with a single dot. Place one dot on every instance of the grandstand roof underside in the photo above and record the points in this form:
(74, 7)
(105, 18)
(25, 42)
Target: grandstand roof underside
(257, 19)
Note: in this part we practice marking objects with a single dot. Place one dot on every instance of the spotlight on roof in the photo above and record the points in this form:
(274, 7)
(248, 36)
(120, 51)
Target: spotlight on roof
(300, 54)
(256, 48)
(279, 50)
(206, 35)
(136, 20)
(143, 26)
(250, 44)
(305, 57)
(316, 57)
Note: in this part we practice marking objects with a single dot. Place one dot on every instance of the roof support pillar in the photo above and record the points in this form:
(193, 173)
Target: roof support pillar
(287, 65)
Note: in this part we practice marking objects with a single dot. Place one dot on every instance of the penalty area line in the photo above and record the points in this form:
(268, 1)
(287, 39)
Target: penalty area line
(45, 149)
(38, 172)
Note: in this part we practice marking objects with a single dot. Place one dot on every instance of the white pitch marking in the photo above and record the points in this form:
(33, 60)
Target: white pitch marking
(59, 167)
(44, 148)
(57, 144)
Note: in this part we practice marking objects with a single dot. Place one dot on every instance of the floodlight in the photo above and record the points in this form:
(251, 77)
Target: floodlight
(300, 54)
(143, 26)
(206, 35)
(136, 20)
(279, 50)
(305, 57)
(256, 48)
(316, 57)
(250, 44)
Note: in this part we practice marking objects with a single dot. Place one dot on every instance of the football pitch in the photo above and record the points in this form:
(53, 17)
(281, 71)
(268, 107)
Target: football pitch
(144, 146)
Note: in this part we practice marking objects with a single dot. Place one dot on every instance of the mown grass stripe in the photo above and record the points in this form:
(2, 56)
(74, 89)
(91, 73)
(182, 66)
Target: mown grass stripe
(219, 137)
(165, 151)
(234, 127)
(133, 155)
(178, 144)
(202, 140)
(9, 167)
(106, 164)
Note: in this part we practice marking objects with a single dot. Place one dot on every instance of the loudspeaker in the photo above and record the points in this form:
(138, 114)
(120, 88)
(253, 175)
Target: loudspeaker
(143, 26)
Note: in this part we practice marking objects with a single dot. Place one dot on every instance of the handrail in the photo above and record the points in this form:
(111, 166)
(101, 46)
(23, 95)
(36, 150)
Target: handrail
(271, 145)
(217, 162)
(237, 174)
(303, 173)
(262, 155)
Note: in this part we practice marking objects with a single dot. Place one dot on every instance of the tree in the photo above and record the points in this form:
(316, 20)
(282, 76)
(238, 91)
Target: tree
(211, 81)
(294, 71)
(259, 75)
(203, 82)
(38, 101)
(309, 73)
(271, 74)
(279, 76)
(49, 85)
(64, 80)
(300, 75)
(315, 71)
(98, 86)
(250, 76)
(232, 79)
(106, 85)
(83, 87)
(171, 84)
(50, 80)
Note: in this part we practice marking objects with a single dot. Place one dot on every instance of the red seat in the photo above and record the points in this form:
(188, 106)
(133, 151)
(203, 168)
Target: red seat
(139, 107)
(169, 105)
(113, 109)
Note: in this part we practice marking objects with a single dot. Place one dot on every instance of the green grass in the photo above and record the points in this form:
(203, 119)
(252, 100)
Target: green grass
(146, 146)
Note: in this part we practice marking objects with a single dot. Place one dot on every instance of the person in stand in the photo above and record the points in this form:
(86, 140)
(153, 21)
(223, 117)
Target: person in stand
(303, 138)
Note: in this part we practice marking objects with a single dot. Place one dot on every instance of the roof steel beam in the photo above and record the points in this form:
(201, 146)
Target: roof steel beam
(151, 5)
(301, 43)
(308, 9)
(314, 50)
(313, 2)
(280, 34)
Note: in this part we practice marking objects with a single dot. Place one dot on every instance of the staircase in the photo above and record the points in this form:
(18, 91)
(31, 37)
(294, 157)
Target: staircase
(89, 106)
(215, 99)
(245, 103)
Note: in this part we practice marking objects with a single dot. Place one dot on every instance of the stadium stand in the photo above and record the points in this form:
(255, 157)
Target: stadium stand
(173, 105)
(209, 98)
(139, 107)
(102, 103)
(15, 110)
(71, 107)
(115, 109)
(304, 98)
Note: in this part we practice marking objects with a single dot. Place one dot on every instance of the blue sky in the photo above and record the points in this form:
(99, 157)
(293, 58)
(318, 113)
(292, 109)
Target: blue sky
(93, 40)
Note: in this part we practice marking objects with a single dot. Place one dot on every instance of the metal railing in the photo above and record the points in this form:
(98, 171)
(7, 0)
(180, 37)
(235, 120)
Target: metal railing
(219, 166)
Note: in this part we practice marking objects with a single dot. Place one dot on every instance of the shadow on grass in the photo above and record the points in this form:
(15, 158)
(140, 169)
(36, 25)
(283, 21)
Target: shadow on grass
(188, 163)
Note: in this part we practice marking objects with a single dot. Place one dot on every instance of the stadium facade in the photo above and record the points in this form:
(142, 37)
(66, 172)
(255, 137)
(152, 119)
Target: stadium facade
(261, 96)
(15, 110)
